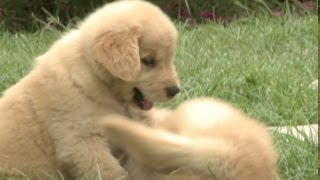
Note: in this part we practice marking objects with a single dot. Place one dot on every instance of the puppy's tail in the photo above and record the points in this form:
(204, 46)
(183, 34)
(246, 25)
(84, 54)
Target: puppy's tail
(163, 151)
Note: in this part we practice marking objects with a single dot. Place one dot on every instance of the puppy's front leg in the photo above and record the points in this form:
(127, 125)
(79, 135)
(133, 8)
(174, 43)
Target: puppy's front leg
(88, 157)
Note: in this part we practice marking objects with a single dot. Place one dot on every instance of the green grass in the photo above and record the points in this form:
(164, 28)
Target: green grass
(264, 66)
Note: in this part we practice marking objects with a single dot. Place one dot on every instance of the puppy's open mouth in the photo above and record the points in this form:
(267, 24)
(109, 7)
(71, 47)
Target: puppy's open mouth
(141, 101)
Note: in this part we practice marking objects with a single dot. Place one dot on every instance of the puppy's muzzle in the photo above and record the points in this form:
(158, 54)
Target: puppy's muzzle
(172, 91)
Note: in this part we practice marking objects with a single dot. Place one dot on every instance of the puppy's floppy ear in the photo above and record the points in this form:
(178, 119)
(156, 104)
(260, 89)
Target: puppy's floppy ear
(118, 51)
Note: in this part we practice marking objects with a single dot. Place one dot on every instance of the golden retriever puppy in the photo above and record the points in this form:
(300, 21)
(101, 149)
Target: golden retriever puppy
(118, 61)
(202, 139)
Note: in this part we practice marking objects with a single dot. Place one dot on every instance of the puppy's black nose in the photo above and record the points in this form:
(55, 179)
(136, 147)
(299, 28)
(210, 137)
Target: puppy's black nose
(172, 91)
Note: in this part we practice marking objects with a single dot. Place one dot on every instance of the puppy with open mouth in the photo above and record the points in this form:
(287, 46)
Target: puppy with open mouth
(119, 60)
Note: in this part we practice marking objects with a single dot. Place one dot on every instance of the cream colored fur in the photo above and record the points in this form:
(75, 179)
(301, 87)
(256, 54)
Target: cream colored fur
(202, 139)
(48, 119)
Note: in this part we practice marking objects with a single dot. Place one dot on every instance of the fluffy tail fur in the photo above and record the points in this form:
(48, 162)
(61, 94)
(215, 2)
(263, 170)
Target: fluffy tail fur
(162, 151)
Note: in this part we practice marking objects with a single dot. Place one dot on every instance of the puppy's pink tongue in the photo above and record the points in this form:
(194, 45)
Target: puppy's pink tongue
(147, 105)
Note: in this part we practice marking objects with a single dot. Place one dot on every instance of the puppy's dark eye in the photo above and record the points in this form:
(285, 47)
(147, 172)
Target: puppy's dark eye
(149, 62)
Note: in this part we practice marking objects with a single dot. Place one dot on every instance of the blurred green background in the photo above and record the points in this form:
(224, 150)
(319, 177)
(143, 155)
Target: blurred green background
(32, 15)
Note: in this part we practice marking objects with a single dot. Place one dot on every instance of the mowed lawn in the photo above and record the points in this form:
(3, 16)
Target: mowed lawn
(262, 65)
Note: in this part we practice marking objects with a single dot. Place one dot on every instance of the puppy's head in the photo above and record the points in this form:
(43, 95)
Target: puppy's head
(135, 42)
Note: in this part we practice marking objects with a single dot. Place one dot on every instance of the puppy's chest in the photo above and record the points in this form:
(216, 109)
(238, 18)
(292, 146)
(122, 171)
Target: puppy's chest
(119, 153)
(80, 119)
(137, 115)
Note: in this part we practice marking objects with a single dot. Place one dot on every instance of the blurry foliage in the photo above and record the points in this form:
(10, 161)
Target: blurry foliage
(32, 14)
(35, 14)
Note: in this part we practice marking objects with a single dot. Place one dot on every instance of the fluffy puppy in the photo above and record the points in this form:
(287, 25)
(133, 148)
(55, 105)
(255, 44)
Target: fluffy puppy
(202, 139)
(118, 61)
